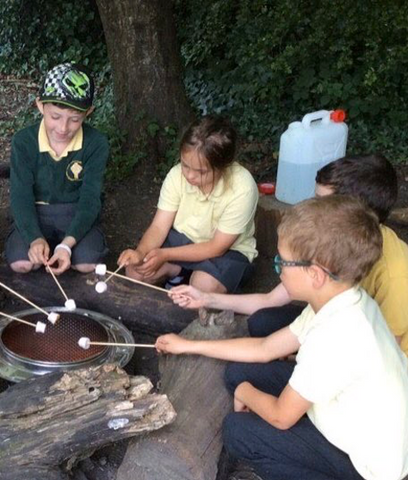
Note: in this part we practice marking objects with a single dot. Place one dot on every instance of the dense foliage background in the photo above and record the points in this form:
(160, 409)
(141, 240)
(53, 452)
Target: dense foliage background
(262, 62)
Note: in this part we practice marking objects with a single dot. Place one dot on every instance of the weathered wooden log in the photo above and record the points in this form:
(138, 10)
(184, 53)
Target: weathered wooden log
(139, 307)
(188, 449)
(49, 420)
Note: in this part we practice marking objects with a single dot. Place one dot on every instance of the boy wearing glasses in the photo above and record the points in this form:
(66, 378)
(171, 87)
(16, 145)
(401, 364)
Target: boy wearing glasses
(373, 180)
(350, 378)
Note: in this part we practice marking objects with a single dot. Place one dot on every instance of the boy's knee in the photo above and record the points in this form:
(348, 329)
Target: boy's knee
(23, 266)
(206, 282)
(84, 267)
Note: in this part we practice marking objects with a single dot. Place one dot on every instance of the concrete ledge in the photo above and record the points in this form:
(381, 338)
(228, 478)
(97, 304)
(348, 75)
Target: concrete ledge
(268, 216)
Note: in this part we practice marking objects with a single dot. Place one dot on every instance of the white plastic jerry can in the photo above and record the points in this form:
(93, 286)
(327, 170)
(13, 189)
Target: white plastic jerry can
(305, 147)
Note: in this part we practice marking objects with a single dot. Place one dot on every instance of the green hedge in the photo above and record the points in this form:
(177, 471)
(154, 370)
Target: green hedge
(268, 62)
(35, 35)
(265, 63)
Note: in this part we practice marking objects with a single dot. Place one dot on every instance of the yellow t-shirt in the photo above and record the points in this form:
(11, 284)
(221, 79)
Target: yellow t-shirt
(387, 283)
(230, 208)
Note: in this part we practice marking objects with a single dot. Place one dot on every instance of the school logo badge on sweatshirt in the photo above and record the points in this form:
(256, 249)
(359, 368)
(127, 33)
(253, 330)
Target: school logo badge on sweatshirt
(74, 171)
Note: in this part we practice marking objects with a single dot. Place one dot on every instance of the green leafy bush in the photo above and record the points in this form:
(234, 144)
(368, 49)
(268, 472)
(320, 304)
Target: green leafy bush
(36, 35)
(266, 63)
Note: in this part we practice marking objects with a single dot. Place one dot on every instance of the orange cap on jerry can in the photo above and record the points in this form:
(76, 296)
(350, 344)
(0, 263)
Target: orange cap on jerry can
(338, 115)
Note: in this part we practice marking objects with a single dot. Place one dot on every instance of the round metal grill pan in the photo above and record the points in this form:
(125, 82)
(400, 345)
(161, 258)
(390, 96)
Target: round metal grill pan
(59, 343)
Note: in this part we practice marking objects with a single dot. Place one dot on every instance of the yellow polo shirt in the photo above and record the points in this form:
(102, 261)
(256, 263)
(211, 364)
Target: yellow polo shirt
(230, 208)
(387, 283)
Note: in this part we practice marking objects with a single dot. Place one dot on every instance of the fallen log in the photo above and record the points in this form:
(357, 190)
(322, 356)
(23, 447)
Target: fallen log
(189, 449)
(60, 417)
(140, 308)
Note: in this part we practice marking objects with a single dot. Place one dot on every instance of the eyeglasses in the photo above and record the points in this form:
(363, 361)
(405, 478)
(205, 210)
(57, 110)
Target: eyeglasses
(279, 263)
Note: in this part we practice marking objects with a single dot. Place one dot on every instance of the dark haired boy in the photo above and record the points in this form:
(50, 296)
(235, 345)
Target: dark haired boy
(373, 180)
(57, 169)
(340, 411)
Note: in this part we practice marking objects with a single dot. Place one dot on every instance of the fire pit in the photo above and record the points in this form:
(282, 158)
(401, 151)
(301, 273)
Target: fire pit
(25, 353)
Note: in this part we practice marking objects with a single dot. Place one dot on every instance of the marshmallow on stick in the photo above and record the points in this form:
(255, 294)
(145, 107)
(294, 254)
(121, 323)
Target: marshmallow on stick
(85, 343)
(39, 326)
(52, 317)
(70, 304)
(100, 269)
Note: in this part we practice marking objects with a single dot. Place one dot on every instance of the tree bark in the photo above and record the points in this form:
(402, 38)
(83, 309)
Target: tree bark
(189, 449)
(147, 73)
(140, 308)
(60, 417)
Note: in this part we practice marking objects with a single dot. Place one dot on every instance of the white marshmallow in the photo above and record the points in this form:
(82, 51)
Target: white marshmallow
(53, 317)
(84, 342)
(70, 305)
(101, 287)
(100, 269)
(40, 327)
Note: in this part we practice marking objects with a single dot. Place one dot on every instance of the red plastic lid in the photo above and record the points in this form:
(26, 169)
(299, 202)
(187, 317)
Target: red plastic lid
(266, 188)
(338, 115)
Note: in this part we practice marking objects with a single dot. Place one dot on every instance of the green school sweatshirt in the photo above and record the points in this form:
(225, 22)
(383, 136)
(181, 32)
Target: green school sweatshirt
(37, 178)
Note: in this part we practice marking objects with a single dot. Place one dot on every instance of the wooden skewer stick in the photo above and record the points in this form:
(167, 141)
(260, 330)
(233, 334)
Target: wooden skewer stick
(85, 343)
(17, 319)
(138, 281)
(58, 283)
(141, 345)
(24, 299)
(113, 273)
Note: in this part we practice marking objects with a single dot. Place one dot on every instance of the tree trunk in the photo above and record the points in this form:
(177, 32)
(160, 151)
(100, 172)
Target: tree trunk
(147, 73)
(61, 417)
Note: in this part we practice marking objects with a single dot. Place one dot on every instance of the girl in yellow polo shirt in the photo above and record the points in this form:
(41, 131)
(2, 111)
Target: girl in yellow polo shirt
(204, 224)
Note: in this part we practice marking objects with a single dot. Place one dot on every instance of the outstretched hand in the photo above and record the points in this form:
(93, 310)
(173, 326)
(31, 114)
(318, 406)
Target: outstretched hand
(171, 343)
(186, 296)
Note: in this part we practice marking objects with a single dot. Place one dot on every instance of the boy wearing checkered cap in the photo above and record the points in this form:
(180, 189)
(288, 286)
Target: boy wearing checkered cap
(57, 169)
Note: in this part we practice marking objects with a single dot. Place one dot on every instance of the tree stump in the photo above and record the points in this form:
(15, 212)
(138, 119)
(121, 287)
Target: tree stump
(61, 417)
(189, 449)
(140, 308)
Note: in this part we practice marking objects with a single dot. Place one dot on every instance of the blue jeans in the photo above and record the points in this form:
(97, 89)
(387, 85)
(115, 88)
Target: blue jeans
(299, 453)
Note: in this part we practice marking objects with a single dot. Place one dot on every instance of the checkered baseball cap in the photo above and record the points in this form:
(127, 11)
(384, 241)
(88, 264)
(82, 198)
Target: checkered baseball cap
(69, 84)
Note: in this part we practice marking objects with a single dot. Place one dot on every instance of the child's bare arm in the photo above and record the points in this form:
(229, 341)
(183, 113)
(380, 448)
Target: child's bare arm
(282, 412)
(248, 349)
(190, 297)
(154, 237)
(195, 252)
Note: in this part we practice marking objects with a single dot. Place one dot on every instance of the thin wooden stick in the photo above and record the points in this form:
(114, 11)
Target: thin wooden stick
(17, 319)
(58, 283)
(113, 273)
(25, 299)
(141, 345)
(138, 281)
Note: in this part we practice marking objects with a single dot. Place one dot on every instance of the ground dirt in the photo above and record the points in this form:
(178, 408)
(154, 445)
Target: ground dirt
(129, 206)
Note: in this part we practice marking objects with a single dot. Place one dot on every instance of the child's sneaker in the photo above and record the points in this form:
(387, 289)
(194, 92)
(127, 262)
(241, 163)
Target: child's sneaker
(173, 282)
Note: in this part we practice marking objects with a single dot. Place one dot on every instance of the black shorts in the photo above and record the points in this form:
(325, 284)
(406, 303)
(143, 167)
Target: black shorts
(231, 269)
(54, 221)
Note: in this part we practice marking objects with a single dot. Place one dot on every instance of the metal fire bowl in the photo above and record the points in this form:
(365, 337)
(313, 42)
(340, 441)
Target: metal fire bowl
(15, 366)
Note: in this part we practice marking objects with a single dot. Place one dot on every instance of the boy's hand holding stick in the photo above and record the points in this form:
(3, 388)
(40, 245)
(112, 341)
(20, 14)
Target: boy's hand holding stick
(186, 296)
